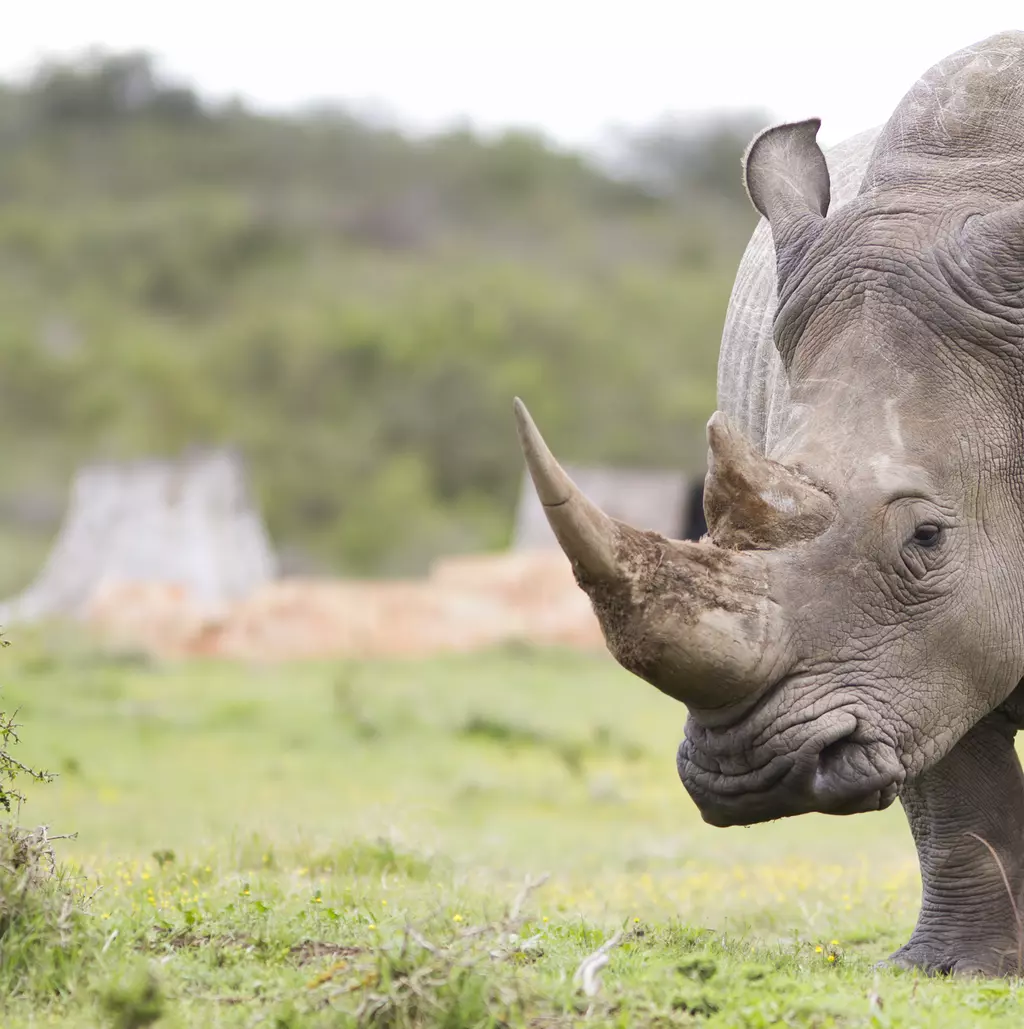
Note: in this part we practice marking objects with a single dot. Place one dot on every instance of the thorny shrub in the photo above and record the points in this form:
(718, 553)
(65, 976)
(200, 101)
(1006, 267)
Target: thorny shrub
(38, 909)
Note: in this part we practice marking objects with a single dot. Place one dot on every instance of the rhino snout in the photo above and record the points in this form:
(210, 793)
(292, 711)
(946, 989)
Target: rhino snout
(831, 766)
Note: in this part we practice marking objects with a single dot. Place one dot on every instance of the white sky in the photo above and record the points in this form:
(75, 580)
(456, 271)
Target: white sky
(570, 67)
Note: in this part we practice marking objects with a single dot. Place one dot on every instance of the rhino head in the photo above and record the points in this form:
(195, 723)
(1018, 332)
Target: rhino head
(858, 603)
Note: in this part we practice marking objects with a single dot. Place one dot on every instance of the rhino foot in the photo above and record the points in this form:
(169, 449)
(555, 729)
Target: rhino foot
(971, 959)
(967, 817)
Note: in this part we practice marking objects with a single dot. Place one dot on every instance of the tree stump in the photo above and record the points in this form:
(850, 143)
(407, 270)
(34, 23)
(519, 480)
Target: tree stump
(188, 522)
(660, 500)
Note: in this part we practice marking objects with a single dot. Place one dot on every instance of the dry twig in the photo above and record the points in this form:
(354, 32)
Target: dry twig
(1009, 893)
(529, 885)
(590, 967)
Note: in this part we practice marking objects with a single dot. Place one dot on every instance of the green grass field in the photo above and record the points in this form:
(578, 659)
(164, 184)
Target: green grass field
(338, 845)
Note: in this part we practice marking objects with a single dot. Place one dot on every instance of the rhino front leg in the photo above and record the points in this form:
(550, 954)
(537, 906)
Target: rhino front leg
(971, 903)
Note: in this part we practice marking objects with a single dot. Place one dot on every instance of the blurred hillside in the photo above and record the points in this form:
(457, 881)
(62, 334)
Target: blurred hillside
(352, 309)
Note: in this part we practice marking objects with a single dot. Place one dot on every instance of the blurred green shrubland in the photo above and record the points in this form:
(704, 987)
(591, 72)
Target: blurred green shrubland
(352, 308)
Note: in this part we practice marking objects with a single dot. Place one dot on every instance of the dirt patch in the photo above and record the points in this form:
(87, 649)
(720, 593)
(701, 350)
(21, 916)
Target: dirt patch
(465, 604)
(303, 953)
(316, 950)
(187, 939)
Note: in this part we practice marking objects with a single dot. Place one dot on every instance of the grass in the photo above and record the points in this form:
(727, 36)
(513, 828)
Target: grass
(334, 845)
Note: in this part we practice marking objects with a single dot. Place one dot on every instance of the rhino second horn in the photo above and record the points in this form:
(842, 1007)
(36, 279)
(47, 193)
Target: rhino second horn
(586, 534)
(754, 503)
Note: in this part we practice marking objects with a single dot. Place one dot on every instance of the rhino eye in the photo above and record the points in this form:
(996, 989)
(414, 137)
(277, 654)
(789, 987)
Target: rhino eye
(927, 535)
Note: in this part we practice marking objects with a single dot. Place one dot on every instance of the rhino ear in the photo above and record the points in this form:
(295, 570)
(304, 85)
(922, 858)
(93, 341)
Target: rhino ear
(788, 182)
(994, 245)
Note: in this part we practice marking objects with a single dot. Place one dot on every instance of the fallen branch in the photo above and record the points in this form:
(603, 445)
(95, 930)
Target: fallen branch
(590, 968)
(421, 940)
(529, 885)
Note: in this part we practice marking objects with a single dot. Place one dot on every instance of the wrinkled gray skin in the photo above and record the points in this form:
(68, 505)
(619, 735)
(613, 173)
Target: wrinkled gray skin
(852, 629)
(907, 365)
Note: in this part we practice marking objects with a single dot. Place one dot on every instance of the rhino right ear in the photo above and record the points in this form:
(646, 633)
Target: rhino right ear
(788, 182)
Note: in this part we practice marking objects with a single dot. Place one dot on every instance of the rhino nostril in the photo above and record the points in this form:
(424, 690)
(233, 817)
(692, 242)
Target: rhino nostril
(852, 769)
(830, 754)
(834, 760)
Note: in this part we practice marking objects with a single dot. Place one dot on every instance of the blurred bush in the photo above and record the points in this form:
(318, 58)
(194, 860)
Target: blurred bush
(353, 308)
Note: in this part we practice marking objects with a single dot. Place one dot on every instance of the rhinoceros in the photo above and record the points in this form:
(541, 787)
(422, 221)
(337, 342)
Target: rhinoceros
(851, 629)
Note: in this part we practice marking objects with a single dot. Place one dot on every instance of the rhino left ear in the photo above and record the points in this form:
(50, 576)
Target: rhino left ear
(788, 182)
(995, 249)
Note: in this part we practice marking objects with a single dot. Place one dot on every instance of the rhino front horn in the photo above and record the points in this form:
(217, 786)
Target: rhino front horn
(586, 534)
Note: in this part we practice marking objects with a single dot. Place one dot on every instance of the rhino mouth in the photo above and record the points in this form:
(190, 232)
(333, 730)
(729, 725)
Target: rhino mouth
(832, 764)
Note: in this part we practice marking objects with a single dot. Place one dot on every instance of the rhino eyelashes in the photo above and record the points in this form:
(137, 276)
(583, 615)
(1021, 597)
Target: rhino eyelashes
(928, 535)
